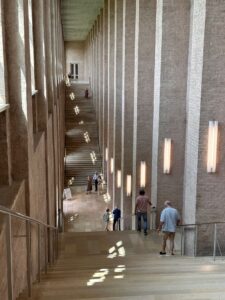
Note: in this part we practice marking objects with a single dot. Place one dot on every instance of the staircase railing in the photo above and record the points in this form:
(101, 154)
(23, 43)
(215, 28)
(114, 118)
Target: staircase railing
(50, 246)
(213, 239)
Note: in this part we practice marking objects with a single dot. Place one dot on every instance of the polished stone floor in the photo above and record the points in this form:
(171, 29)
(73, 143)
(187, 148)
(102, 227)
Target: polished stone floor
(84, 212)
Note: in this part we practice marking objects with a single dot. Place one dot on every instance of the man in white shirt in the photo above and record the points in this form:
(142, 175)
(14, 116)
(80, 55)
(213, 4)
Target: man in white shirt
(95, 179)
(169, 220)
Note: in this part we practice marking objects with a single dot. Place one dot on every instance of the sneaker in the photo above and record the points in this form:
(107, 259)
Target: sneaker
(145, 233)
(162, 253)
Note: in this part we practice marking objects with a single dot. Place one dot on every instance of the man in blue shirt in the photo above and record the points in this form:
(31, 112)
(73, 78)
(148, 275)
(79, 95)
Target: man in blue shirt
(169, 220)
(116, 218)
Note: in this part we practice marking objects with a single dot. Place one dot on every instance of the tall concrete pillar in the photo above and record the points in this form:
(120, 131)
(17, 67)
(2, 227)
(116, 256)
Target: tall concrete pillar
(98, 69)
(48, 52)
(105, 84)
(100, 53)
(143, 94)
(194, 90)
(127, 108)
(118, 71)
(172, 104)
(18, 86)
(40, 68)
(111, 66)
(5, 164)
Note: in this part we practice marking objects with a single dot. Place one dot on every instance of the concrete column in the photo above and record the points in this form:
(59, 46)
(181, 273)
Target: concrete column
(100, 53)
(5, 163)
(157, 81)
(98, 69)
(128, 108)
(105, 100)
(18, 86)
(119, 32)
(40, 69)
(194, 90)
(143, 93)
(48, 52)
(111, 66)
(172, 109)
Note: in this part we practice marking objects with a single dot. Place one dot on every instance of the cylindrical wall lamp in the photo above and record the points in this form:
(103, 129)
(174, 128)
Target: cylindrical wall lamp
(119, 179)
(167, 156)
(212, 146)
(106, 154)
(129, 178)
(143, 174)
(111, 165)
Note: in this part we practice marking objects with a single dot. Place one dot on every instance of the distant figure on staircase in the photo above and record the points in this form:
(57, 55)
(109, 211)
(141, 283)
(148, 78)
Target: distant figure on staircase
(95, 179)
(89, 184)
(106, 219)
(86, 93)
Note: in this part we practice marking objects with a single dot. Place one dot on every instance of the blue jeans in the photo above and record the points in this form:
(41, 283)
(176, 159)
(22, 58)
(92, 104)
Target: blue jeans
(144, 216)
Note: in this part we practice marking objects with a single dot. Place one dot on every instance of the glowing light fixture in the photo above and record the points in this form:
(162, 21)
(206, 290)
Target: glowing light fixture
(129, 185)
(106, 154)
(143, 174)
(119, 179)
(167, 156)
(111, 165)
(212, 146)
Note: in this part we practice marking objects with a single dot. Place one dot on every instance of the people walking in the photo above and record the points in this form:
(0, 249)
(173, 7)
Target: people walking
(86, 93)
(89, 184)
(106, 219)
(141, 207)
(95, 179)
(169, 220)
(116, 218)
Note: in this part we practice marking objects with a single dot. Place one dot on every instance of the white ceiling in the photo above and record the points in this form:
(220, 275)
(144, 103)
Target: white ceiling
(78, 17)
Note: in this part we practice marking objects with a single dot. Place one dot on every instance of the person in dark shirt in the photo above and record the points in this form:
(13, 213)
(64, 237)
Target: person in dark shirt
(116, 218)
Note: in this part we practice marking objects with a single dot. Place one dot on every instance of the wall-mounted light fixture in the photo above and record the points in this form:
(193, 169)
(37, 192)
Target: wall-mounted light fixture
(111, 165)
(129, 178)
(167, 156)
(106, 154)
(119, 179)
(212, 146)
(143, 174)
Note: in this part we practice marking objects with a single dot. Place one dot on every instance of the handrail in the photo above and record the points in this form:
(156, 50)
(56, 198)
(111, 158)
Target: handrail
(50, 246)
(7, 211)
(198, 224)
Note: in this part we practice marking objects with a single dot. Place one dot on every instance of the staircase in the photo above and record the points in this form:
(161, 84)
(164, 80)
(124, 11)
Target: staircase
(78, 162)
(126, 266)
